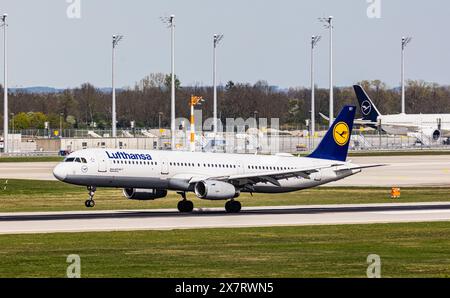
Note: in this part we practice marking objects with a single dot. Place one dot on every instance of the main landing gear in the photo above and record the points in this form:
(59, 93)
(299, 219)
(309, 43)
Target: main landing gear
(90, 202)
(184, 205)
(233, 206)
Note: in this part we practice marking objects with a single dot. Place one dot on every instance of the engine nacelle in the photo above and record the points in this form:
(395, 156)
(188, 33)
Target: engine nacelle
(215, 190)
(433, 134)
(143, 194)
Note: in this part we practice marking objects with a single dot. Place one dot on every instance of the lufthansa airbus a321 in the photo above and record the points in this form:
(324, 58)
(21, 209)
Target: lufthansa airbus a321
(148, 175)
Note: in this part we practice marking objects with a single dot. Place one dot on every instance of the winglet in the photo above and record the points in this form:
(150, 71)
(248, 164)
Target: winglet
(334, 145)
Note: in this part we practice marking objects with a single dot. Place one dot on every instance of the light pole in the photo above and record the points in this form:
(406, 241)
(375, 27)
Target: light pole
(60, 124)
(115, 41)
(217, 38)
(13, 128)
(405, 41)
(314, 41)
(170, 21)
(5, 84)
(159, 120)
(329, 25)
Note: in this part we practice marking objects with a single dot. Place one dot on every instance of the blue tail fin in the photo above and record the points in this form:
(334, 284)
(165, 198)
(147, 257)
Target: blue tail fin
(368, 110)
(334, 145)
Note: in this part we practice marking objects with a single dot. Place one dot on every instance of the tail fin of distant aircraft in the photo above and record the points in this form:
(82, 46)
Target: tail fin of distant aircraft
(368, 110)
(334, 145)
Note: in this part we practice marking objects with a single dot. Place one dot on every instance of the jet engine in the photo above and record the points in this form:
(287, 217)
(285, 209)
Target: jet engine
(433, 134)
(143, 194)
(215, 190)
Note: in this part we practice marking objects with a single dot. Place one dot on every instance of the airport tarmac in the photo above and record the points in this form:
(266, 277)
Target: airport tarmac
(420, 170)
(168, 219)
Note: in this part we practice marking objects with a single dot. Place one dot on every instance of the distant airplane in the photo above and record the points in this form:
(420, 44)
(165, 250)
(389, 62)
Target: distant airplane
(433, 126)
(148, 175)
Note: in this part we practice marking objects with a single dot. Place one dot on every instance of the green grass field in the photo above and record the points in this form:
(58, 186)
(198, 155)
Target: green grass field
(32, 159)
(29, 195)
(406, 250)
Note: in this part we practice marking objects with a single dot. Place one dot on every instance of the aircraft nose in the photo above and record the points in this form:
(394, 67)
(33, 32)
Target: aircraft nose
(60, 172)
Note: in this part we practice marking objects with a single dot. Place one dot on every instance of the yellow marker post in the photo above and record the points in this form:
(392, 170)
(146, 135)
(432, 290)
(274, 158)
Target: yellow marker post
(195, 100)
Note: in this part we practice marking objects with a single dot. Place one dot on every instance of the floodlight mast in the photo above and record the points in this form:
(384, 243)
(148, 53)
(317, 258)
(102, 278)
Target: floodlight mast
(115, 41)
(216, 40)
(170, 22)
(314, 41)
(329, 25)
(405, 41)
(5, 84)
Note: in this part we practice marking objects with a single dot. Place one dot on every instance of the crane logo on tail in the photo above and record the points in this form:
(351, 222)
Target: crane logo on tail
(366, 107)
(341, 133)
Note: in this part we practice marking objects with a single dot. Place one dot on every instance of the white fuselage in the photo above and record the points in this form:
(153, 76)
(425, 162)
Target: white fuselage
(402, 124)
(172, 170)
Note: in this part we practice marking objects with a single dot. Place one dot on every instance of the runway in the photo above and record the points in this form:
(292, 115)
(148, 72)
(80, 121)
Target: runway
(404, 171)
(422, 170)
(167, 219)
(27, 170)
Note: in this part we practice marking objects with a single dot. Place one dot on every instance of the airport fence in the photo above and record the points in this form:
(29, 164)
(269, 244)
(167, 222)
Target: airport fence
(265, 143)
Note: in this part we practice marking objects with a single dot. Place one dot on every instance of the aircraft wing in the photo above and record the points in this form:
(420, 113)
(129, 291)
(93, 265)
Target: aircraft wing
(270, 176)
(357, 167)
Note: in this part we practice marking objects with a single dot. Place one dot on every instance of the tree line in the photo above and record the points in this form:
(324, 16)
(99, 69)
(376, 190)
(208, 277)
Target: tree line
(83, 106)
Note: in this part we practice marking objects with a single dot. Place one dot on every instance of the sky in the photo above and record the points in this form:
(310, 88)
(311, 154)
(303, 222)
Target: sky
(263, 40)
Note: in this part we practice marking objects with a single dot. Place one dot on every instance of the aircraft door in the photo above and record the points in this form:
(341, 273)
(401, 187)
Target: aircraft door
(102, 165)
(164, 167)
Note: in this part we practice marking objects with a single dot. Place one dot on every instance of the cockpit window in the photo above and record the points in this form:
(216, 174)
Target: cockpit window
(83, 160)
(69, 159)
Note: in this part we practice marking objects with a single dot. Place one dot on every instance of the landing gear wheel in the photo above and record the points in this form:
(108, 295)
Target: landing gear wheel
(89, 203)
(233, 206)
(185, 206)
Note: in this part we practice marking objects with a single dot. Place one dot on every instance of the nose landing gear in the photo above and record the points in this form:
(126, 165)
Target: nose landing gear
(89, 203)
(184, 205)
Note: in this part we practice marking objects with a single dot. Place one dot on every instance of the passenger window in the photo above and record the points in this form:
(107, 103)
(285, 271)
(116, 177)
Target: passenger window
(83, 160)
(77, 160)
